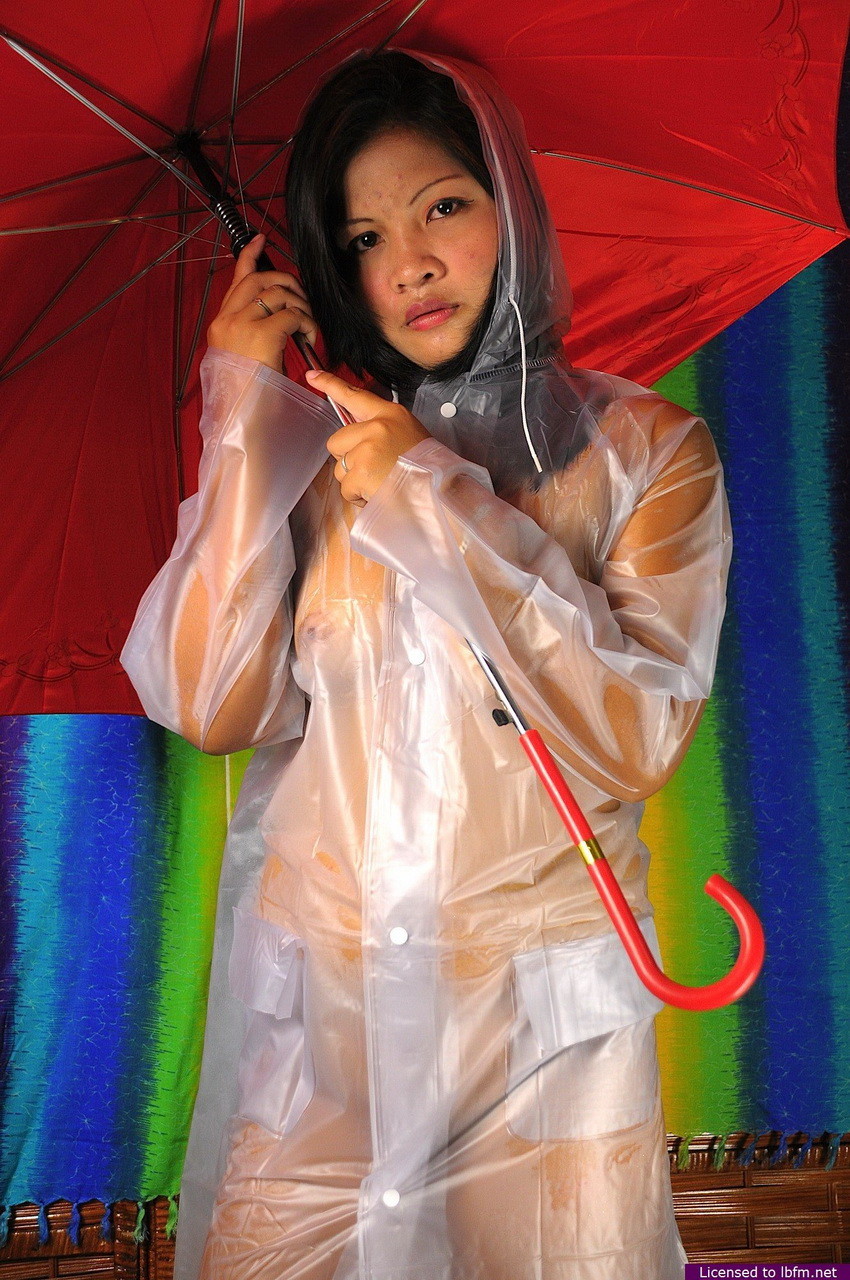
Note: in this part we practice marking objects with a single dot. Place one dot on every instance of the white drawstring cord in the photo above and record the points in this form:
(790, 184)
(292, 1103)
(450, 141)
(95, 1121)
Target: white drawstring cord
(531, 449)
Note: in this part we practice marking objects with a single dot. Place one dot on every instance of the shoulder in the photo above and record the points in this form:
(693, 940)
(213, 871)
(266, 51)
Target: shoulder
(651, 434)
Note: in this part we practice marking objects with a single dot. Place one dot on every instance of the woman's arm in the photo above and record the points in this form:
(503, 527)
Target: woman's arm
(209, 650)
(614, 674)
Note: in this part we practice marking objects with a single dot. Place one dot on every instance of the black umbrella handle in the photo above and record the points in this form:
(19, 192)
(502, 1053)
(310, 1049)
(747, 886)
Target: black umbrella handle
(222, 205)
(238, 230)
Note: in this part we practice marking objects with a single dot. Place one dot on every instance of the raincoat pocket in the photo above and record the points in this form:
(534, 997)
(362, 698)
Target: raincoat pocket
(582, 1060)
(276, 1076)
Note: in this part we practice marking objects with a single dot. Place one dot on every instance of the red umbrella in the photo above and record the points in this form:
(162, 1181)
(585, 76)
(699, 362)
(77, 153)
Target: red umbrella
(687, 153)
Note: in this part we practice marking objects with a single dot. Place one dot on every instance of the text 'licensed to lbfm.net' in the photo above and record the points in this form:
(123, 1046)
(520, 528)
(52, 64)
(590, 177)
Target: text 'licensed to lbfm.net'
(767, 1271)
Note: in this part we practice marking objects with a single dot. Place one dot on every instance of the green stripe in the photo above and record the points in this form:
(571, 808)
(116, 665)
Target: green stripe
(681, 385)
(194, 827)
(699, 940)
(699, 1059)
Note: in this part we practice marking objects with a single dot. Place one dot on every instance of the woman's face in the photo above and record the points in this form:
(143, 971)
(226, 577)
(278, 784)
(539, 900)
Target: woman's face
(426, 242)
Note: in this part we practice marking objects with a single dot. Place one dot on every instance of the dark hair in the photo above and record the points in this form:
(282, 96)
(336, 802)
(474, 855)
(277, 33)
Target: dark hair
(366, 97)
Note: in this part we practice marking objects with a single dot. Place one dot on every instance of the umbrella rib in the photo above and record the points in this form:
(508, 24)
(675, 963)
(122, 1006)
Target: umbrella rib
(176, 333)
(202, 66)
(255, 203)
(691, 186)
(120, 221)
(243, 142)
(278, 151)
(103, 115)
(412, 14)
(230, 153)
(314, 53)
(69, 178)
(22, 46)
(76, 273)
(276, 226)
(116, 293)
(199, 319)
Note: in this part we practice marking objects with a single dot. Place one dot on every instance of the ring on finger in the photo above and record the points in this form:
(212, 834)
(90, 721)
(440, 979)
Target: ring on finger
(343, 463)
(267, 310)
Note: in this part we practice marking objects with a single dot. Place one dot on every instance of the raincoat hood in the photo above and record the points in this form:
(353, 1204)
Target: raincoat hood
(531, 275)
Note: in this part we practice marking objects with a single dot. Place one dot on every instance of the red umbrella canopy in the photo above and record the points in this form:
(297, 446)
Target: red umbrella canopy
(687, 153)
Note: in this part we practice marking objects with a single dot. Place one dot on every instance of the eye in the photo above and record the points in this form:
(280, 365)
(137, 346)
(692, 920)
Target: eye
(445, 208)
(366, 240)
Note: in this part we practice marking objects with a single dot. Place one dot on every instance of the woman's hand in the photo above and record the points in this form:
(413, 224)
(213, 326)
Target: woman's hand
(368, 448)
(248, 329)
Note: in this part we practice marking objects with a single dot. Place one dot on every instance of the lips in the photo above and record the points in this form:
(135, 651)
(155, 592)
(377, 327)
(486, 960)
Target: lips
(431, 305)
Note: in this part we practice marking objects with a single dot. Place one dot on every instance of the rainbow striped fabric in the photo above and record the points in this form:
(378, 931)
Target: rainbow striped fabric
(111, 829)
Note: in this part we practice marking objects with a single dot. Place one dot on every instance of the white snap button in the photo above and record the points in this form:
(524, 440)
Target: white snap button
(391, 1199)
(448, 410)
(417, 657)
(399, 935)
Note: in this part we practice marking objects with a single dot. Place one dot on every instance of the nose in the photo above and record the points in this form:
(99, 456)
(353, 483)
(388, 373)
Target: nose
(414, 264)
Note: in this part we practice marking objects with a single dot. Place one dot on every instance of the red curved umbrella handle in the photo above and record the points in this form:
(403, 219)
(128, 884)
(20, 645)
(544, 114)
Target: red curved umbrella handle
(751, 955)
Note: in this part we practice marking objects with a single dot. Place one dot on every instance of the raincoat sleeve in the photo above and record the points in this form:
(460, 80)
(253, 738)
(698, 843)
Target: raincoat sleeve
(208, 652)
(614, 672)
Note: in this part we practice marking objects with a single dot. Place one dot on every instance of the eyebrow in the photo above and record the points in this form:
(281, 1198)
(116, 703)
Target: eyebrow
(449, 177)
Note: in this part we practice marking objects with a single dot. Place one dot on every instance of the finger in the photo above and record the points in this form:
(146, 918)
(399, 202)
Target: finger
(291, 285)
(304, 324)
(348, 487)
(344, 440)
(248, 283)
(278, 300)
(259, 282)
(359, 403)
(285, 321)
(246, 263)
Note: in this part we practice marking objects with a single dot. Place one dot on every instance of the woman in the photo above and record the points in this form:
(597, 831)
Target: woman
(449, 1068)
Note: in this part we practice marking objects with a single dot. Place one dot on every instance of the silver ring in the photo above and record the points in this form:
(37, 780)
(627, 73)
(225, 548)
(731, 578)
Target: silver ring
(267, 310)
(343, 463)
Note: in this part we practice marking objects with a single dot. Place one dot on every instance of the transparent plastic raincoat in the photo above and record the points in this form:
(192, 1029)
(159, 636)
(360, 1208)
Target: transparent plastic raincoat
(427, 1056)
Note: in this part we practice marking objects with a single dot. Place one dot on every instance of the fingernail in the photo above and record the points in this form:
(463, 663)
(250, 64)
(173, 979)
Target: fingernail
(312, 373)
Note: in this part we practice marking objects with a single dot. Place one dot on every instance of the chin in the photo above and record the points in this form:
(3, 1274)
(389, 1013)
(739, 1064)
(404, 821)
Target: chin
(431, 357)
(434, 362)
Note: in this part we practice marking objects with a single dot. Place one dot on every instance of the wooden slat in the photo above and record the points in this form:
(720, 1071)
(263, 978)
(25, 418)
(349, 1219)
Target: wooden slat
(27, 1270)
(801, 1254)
(130, 1260)
(773, 1232)
(758, 1200)
(100, 1267)
(726, 1231)
(162, 1255)
(728, 1179)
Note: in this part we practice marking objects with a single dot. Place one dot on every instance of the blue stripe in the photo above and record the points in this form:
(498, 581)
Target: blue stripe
(765, 594)
(749, 1046)
(821, 616)
(104, 1042)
